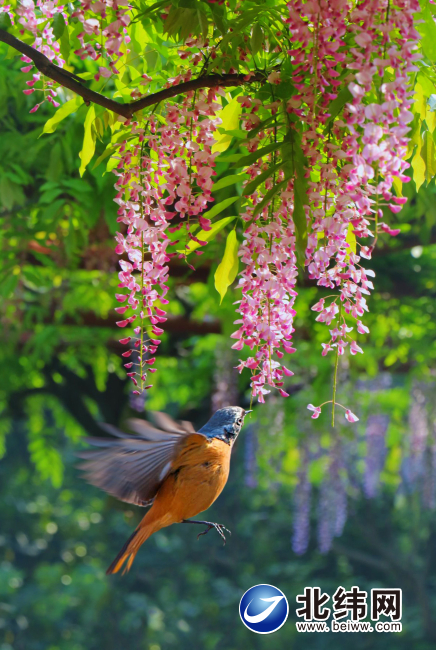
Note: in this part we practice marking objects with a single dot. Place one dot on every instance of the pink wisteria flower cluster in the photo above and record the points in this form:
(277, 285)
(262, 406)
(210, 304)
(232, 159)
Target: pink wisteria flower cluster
(38, 19)
(269, 275)
(164, 183)
(353, 161)
(357, 156)
(104, 37)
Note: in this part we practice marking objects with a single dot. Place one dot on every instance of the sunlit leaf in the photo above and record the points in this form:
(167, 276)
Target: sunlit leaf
(230, 115)
(418, 166)
(397, 185)
(207, 235)
(88, 146)
(219, 207)
(429, 157)
(228, 268)
(63, 111)
(351, 240)
(427, 29)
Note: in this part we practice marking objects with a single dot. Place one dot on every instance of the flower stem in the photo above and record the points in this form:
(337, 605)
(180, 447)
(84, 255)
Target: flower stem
(335, 375)
(141, 354)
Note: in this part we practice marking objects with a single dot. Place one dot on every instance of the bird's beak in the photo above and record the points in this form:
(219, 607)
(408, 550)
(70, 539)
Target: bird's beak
(246, 412)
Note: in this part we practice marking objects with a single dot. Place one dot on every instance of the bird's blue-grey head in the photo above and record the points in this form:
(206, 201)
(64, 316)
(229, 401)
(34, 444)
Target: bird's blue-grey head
(225, 424)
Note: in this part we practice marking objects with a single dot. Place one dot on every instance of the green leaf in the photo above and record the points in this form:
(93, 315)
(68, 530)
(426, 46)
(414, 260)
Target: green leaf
(219, 16)
(106, 153)
(245, 161)
(430, 120)
(50, 195)
(88, 146)
(230, 115)
(8, 284)
(300, 193)
(351, 240)
(427, 84)
(64, 44)
(207, 235)
(337, 105)
(45, 260)
(231, 158)
(429, 157)
(228, 267)
(58, 26)
(66, 109)
(397, 185)
(418, 166)
(236, 133)
(5, 21)
(219, 207)
(153, 7)
(420, 101)
(414, 136)
(203, 22)
(269, 196)
(299, 216)
(229, 180)
(287, 152)
(256, 38)
(427, 29)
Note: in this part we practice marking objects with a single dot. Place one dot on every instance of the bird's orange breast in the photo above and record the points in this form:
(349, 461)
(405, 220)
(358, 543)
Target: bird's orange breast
(198, 476)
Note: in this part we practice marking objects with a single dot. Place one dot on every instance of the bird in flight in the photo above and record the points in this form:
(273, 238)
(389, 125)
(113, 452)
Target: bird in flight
(176, 470)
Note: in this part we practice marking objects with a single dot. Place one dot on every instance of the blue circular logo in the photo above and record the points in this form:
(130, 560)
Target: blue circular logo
(263, 609)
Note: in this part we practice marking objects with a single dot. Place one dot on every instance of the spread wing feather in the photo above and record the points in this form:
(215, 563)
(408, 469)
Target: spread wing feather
(133, 467)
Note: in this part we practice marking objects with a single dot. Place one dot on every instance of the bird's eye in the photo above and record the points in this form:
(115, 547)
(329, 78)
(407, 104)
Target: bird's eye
(239, 421)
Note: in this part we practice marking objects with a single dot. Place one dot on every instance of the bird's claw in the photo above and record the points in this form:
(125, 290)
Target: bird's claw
(218, 527)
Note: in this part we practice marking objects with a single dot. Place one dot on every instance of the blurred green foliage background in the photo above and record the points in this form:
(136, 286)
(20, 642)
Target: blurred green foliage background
(61, 374)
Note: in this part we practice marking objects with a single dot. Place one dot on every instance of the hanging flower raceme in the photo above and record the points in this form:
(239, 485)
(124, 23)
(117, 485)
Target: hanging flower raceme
(268, 294)
(269, 275)
(104, 37)
(355, 158)
(164, 172)
(39, 19)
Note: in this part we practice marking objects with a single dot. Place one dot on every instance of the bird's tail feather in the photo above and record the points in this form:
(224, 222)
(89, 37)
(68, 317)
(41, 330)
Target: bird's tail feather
(130, 548)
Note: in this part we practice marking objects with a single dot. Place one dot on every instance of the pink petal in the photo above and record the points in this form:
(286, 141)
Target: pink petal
(350, 416)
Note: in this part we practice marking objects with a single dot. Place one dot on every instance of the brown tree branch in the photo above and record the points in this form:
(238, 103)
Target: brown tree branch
(74, 83)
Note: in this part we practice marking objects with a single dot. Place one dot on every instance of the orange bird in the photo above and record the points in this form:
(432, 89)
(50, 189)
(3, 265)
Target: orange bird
(173, 468)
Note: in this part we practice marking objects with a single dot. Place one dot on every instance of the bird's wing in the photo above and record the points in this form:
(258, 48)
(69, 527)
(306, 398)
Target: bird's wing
(133, 467)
